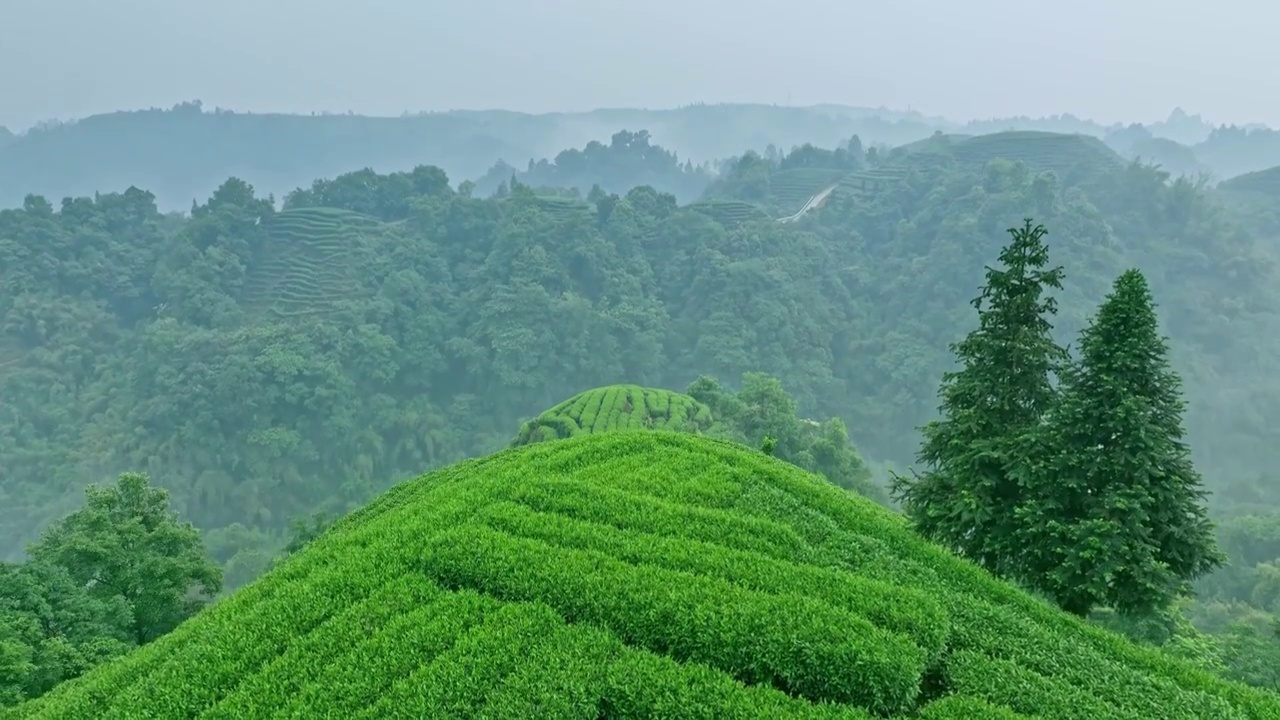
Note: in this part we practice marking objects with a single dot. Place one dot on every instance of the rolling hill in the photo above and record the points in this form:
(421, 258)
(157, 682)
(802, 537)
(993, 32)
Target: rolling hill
(1041, 151)
(629, 575)
(614, 408)
(1062, 153)
(1263, 182)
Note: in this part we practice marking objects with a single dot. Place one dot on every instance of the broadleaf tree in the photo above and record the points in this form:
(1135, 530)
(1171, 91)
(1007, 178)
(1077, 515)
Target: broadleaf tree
(125, 543)
(965, 498)
(1114, 512)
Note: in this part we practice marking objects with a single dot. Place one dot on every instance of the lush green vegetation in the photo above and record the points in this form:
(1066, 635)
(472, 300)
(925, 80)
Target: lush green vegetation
(266, 365)
(760, 412)
(114, 575)
(1084, 490)
(618, 407)
(636, 574)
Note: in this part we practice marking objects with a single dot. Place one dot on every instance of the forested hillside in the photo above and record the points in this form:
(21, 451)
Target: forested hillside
(263, 363)
(184, 153)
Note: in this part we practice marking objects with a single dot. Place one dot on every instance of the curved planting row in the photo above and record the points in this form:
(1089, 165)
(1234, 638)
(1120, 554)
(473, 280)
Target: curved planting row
(564, 208)
(1039, 150)
(728, 212)
(791, 189)
(637, 574)
(306, 265)
(616, 407)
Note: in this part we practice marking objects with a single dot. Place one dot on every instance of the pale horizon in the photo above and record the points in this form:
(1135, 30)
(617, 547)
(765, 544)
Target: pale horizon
(1100, 61)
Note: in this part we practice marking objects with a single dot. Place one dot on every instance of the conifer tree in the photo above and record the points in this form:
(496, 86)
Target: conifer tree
(1114, 514)
(966, 498)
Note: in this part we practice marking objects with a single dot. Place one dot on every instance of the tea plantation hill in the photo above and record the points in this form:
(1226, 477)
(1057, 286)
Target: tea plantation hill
(308, 264)
(636, 574)
(1072, 157)
(617, 407)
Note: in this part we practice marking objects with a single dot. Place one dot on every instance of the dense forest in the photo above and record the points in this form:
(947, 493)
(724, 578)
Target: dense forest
(271, 365)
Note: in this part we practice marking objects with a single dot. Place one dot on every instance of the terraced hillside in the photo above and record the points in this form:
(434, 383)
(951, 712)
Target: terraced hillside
(613, 408)
(307, 266)
(636, 575)
(791, 189)
(564, 207)
(729, 212)
(1041, 151)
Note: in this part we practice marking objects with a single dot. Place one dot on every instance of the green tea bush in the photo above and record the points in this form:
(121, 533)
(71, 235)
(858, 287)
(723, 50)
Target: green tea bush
(637, 575)
(616, 407)
(799, 643)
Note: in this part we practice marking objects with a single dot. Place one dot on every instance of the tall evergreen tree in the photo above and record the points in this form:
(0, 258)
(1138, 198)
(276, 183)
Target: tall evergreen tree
(1115, 514)
(966, 498)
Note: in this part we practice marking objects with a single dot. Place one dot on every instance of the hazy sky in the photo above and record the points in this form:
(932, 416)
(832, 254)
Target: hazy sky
(1131, 60)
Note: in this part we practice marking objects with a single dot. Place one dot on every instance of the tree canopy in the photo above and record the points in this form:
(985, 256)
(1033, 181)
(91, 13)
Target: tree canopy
(263, 361)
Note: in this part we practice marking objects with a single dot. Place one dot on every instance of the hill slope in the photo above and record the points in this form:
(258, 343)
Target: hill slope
(307, 266)
(1266, 182)
(627, 575)
(614, 408)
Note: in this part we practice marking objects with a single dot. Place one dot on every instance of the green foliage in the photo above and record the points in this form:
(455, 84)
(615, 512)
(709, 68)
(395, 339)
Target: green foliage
(614, 408)
(637, 574)
(1114, 511)
(1066, 155)
(117, 573)
(136, 340)
(1252, 655)
(966, 497)
(125, 543)
(762, 414)
(729, 212)
(52, 629)
(307, 262)
(629, 160)
(790, 189)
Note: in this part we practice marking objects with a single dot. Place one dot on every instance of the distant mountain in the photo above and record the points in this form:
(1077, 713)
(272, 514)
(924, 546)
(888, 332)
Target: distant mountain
(182, 154)
(1140, 143)
(1232, 151)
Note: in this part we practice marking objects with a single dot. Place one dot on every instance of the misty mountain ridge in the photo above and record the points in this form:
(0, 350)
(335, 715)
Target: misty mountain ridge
(184, 153)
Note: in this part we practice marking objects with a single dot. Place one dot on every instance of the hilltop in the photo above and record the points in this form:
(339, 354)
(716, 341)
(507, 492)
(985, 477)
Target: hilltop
(614, 408)
(636, 574)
